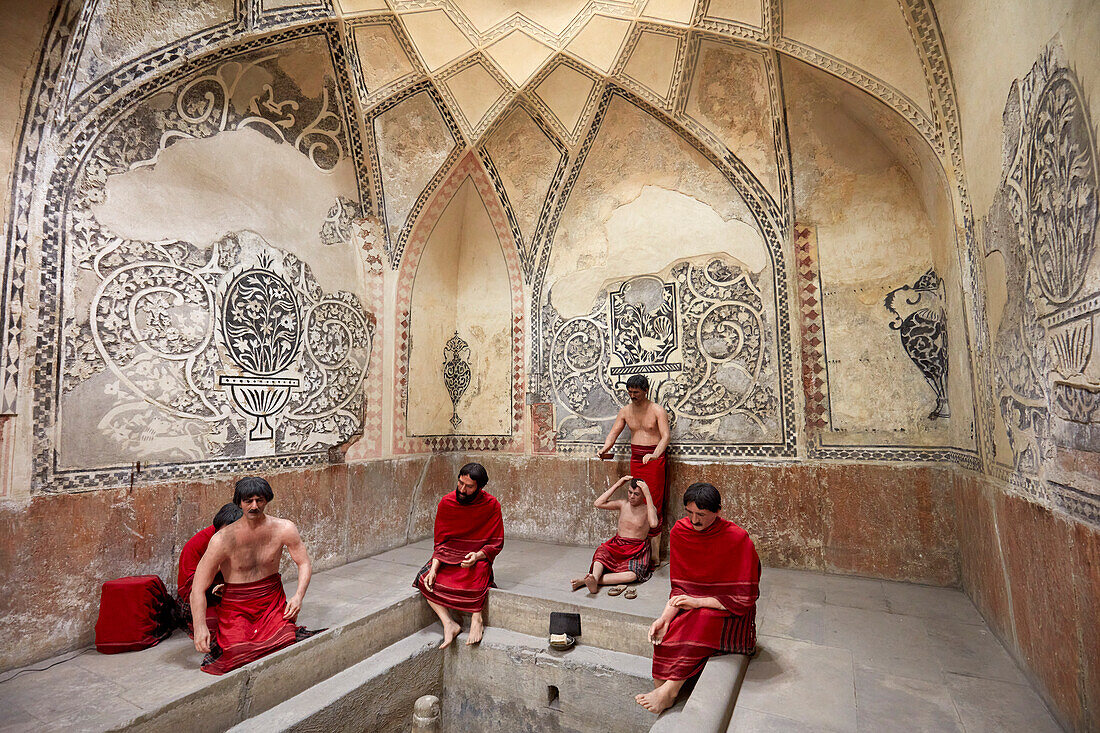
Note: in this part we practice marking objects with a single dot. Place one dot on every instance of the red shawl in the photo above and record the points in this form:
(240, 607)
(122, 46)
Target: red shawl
(719, 562)
(459, 530)
(250, 624)
(653, 473)
(190, 555)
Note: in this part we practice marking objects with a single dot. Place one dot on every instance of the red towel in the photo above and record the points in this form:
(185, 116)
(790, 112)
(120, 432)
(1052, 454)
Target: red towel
(250, 624)
(459, 530)
(134, 613)
(620, 555)
(720, 562)
(653, 473)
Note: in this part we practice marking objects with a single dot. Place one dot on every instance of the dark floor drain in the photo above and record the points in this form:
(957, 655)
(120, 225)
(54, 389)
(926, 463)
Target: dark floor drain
(553, 701)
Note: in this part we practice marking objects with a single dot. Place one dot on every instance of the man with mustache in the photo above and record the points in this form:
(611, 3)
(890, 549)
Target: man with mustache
(469, 533)
(254, 616)
(649, 436)
(715, 575)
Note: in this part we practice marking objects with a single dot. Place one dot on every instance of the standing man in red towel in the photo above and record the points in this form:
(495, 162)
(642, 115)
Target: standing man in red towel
(711, 610)
(649, 436)
(469, 533)
(190, 556)
(254, 616)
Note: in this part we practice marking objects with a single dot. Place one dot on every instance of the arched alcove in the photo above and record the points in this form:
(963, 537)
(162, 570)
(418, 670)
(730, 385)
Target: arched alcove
(460, 309)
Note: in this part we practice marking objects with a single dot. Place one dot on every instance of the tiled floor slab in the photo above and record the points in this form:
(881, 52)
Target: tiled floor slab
(993, 706)
(887, 702)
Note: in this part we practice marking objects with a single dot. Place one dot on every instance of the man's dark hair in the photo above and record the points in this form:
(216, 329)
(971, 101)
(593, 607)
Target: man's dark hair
(704, 495)
(638, 381)
(477, 472)
(250, 486)
(633, 483)
(226, 516)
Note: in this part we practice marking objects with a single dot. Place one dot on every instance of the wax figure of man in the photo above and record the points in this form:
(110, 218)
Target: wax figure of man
(625, 557)
(254, 616)
(649, 436)
(715, 574)
(469, 534)
(190, 555)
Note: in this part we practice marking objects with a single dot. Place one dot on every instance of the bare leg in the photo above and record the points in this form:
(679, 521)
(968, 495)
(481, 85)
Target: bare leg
(450, 626)
(615, 578)
(592, 580)
(477, 628)
(663, 695)
(655, 551)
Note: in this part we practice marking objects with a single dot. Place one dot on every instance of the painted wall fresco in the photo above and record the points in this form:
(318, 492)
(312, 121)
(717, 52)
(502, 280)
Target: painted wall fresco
(204, 315)
(1041, 237)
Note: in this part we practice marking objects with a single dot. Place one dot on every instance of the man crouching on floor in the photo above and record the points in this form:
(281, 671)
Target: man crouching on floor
(715, 575)
(254, 616)
(469, 533)
(625, 558)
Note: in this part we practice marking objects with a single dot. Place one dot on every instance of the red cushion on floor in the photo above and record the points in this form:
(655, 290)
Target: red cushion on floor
(134, 613)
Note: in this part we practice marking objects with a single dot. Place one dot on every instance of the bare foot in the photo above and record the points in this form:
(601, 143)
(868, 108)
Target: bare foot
(591, 583)
(577, 583)
(450, 631)
(656, 701)
(477, 629)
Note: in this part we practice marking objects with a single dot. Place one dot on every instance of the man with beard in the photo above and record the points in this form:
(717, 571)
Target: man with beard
(469, 533)
(254, 616)
(190, 556)
(625, 557)
(715, 575)
(649, 436)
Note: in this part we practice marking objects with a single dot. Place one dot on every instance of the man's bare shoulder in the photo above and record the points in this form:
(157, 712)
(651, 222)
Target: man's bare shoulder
(657, 409)
(284, 527)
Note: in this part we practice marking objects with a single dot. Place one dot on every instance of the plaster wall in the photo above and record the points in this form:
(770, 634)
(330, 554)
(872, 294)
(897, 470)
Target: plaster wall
(876, 194)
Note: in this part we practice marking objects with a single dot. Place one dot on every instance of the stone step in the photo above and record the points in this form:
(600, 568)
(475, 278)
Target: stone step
(262, 685)
(709, 707)
(376, 694)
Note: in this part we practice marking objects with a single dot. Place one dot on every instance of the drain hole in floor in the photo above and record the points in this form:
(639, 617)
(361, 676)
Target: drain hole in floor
(552, 700)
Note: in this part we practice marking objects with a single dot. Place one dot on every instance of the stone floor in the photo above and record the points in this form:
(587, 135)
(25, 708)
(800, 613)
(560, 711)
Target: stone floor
(837, 653)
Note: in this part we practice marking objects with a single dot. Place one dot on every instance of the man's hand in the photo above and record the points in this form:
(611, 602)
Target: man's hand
(646, 457)
(657, 630)
(644, 487)
(429, 579)
(471, 559)
(293, 606)
(202, 638)
(603, 454)
(685, 602)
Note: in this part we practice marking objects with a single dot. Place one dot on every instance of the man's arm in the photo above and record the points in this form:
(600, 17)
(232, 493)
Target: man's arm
(429, 579)
(209, 566)
(616, 429)
(658, 628)
(300, 556)
(650, 509)
(603, 503)
(662, 428)
(694, 602)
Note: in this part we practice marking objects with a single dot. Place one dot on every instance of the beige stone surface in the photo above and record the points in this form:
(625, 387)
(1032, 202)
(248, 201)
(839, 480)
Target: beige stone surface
(519, 55)
(436, 37)
(526, 160)
(565, 91)
(413, 142)
(653, 62)
(882, 46)
(476, 91)
(600, 40)
(748, 12)
(381, 57)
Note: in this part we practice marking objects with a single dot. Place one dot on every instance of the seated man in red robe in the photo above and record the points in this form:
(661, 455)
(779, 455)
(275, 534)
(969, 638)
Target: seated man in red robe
(649, 436)
(469, 533)
(254, 616)
(625, 557)
(715, 576)
(190, 555)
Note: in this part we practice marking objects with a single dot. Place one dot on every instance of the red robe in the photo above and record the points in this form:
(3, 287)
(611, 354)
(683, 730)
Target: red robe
(720, 562)
(250, 624)
(620, 555)
(653, 473)
(459, 530)
(190, 555)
